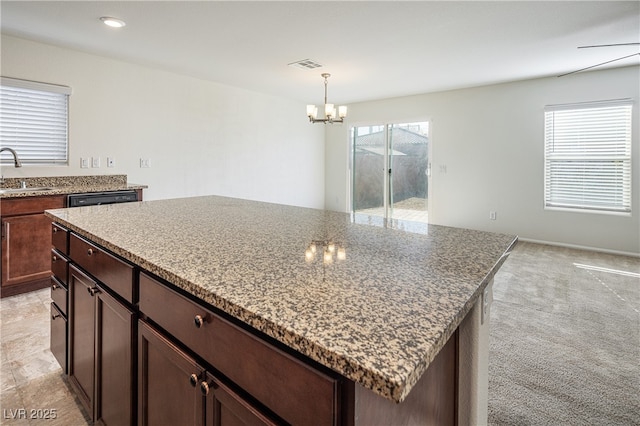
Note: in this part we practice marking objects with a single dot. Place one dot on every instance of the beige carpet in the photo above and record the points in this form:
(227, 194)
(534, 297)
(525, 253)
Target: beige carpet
(565, 339)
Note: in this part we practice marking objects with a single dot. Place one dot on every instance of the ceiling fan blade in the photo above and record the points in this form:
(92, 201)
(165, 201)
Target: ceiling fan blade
(597, 65)
(608, 45)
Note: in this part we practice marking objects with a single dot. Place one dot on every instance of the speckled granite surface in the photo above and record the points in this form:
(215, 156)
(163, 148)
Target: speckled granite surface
(66, 185)
(378, 317)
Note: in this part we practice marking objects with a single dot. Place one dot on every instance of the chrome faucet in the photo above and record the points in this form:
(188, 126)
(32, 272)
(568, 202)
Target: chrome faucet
(16, 160)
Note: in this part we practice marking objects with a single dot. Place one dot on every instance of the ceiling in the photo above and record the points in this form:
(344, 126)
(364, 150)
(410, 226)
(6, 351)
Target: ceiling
(373, 49)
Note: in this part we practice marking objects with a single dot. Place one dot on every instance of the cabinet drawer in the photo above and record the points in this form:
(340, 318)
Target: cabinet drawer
(60, 238)
(111, 271)
(59, 295)
(58, 343)
(290, 388)
(59, 266)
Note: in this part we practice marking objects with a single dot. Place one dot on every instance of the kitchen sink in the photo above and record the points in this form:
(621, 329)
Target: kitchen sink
(34, 189)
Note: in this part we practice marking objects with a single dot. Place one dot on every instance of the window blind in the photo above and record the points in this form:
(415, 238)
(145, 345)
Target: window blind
(34, 121)
(588, 156)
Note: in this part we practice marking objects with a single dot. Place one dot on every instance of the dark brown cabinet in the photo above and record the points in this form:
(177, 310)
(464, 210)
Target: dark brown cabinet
(168, 382)
(226, 408)
(196, 398)
(26, 243)
(101, 333)
(115, 334)
(82, 312)
(58, 342)
(59, 295)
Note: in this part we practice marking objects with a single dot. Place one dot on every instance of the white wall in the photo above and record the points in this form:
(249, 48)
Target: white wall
(202, 137)
(491, 141)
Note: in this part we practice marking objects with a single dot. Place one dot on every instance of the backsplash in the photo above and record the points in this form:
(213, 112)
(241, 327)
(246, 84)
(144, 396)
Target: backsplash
(60, 181)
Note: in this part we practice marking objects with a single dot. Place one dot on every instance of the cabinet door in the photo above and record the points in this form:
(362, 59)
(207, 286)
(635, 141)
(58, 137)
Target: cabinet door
(226, 408)
(26, 243)
(168, 382)
(114, 361)
(82, 308)
(58, 337)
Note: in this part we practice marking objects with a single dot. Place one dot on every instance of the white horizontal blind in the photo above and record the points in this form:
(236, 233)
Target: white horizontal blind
(588, 156)
(33, 121)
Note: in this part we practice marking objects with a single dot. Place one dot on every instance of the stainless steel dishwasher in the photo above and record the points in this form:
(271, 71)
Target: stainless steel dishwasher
(97, 198)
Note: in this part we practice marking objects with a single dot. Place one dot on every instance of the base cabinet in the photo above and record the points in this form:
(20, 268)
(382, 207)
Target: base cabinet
(82, 312)
(226, 408)
(101, 331)
(196, 396)
(58, 336)
(26, 243)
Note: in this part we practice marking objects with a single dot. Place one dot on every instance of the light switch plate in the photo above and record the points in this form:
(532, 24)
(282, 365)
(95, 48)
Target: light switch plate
(95, 162)
(84, 163)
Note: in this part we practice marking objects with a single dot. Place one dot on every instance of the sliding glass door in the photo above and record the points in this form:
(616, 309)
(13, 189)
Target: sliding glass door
(389, 170)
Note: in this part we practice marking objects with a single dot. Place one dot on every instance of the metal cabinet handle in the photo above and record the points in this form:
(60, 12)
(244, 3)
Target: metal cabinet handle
(93, 290)
(54, 258)
(54, 316)
(193, 379)
(198, 321)
(204, 388)
(54, 286)
(55, 229)
(91, 252)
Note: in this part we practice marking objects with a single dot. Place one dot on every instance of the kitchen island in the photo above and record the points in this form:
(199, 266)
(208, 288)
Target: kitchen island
(366, 307)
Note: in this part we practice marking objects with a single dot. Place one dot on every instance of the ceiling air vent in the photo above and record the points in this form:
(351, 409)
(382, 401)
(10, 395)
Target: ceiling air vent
(305, 64)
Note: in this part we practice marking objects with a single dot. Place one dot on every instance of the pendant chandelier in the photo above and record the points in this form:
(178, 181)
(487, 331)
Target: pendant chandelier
(329, 109)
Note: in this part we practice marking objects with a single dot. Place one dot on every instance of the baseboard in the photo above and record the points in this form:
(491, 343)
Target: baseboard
(579, 247)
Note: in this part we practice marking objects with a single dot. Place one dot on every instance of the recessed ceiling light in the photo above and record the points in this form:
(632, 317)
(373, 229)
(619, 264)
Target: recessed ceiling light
(113, 22)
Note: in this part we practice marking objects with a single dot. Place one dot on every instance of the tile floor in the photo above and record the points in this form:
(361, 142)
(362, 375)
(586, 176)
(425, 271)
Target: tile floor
(33, 391)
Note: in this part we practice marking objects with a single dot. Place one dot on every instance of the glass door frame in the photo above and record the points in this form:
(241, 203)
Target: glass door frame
(387, 163)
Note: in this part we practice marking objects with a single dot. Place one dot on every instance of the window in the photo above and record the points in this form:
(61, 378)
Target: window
(588, 156)
(33, 121)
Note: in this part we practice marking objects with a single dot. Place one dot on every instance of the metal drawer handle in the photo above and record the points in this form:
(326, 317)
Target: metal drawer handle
(54, 286)
(204, 388)
(198, 321)
(93, 290)
(193, 379)
(91, 252)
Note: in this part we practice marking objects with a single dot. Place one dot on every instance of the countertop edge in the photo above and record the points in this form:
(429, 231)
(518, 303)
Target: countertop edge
(65, 190)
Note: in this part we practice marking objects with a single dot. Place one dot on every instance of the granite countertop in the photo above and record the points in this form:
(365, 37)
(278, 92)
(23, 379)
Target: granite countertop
(377, 310)
(61, 185)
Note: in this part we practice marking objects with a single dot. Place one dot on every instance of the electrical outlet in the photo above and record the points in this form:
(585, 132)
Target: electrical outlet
(84, 163)
(492, 215)
(95, 162)
(145, 163)
(111, 162)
